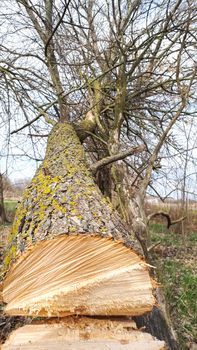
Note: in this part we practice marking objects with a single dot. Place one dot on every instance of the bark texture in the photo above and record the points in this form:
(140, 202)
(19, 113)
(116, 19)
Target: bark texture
(69, 252)
(156, 324)
(63, 199)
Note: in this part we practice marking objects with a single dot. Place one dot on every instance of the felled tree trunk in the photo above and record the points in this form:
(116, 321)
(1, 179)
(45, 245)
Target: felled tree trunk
(69, 252)
(129, 201)
(82, 333)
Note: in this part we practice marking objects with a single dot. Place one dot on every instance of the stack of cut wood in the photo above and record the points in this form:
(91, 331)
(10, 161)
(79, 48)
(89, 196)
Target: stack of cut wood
(71, 257)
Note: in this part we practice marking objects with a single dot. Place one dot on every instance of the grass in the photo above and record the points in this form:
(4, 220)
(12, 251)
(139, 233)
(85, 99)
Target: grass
(180, 289)
(177, 272)
(10, 208)
(10, 205)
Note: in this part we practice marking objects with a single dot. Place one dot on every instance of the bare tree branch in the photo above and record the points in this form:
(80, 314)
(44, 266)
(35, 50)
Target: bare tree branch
(116, 157)
(56, 27)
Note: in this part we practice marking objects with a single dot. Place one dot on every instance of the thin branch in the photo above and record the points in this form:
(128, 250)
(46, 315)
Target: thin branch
(25, 125)
(111, 159)
(42, 113)
(30, 11)
(184, 98)
(38, 135)
(65, 94)
(153, 246)
(56, 28)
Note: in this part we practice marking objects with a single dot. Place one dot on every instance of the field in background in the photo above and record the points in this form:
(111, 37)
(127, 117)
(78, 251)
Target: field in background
(175, 257)
(174, 208)
(10, 208)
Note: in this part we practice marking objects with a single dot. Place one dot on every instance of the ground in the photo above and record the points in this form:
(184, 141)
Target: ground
(177, 272)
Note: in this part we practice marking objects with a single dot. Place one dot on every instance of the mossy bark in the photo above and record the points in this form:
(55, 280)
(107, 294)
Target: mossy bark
(63, 199)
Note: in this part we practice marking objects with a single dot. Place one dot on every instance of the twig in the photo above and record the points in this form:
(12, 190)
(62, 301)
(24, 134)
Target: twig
(153, 246)
(25, 125)
(42, 113)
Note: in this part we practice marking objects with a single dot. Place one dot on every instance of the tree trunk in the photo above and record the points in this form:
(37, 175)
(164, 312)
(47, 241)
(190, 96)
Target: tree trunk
(129, 201)
(156, 324)
(82, 333)
(69, 252)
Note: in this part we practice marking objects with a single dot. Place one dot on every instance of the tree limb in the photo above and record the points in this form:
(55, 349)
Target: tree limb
(56, 27)
(25, 125)
(86, 126)
(115, 157)
(42, 113)
(153, 246)
(34, 20)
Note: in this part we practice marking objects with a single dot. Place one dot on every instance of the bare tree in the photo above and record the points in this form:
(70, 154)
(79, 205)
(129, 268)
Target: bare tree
(122, 73)
(123, 66)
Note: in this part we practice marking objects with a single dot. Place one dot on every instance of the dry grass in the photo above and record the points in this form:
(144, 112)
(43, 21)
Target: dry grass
(175, 211)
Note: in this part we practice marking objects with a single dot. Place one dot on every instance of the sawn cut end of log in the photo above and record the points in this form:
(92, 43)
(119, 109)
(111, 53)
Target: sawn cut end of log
(82, 334)
(84, 275)
(69, 252)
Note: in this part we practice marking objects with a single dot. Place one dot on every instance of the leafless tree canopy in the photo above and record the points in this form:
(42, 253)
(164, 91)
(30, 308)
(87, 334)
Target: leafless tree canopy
(124, 72)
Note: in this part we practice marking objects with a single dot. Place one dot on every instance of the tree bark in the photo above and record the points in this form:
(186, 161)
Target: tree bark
(156, 324)
(130, 204)
(69, 252)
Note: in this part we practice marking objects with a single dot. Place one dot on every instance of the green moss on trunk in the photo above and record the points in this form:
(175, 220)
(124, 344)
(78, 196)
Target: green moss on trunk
(63, 199)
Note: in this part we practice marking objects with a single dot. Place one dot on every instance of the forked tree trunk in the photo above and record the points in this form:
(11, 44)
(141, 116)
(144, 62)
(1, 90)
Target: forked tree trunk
(69, 253)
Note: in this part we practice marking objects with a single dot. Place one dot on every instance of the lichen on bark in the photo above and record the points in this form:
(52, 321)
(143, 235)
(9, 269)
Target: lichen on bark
(63, 199)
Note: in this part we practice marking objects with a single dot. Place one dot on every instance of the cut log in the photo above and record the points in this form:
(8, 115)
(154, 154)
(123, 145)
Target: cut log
(78, 275)
(69, 252)
(82, 334)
